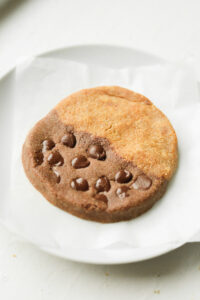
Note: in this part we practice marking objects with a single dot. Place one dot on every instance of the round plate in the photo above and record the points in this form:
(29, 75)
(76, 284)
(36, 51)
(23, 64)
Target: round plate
(108, 56)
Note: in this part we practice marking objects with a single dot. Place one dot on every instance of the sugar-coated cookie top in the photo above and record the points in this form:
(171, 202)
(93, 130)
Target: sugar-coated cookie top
(137, 130)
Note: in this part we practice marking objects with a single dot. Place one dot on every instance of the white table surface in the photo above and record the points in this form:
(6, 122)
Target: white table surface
(170, 29)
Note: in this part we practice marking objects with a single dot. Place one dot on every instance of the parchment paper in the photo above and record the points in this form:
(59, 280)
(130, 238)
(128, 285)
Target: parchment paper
(39, 84)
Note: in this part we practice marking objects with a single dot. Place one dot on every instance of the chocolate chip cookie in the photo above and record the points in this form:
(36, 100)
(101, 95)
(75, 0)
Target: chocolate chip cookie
(104, 154)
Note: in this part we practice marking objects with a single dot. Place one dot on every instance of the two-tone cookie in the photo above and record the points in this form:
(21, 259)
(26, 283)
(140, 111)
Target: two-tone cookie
(104, 154)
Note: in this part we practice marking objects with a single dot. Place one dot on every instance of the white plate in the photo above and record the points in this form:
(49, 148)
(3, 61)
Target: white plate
(109, 56)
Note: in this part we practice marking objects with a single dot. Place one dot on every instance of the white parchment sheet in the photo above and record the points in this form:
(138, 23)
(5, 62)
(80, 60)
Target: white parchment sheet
(39, 84)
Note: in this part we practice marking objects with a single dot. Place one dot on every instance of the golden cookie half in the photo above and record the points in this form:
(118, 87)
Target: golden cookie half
(104, 154)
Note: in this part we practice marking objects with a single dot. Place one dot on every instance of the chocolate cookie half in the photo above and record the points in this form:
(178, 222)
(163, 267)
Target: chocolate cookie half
(104, 154)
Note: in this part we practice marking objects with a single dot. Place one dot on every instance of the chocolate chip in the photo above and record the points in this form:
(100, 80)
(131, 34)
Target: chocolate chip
(142, 182)
(97, 151)
(38, 157)
(69, 140)
(101, 197)
(57, 176)
(123, 176)
(79, 184)
(102, 184)
(47, 145)
(55, 159)
(122, 192)
(80, 162)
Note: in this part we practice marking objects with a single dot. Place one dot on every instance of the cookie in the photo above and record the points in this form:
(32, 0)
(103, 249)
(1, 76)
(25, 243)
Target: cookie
(104, 154)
